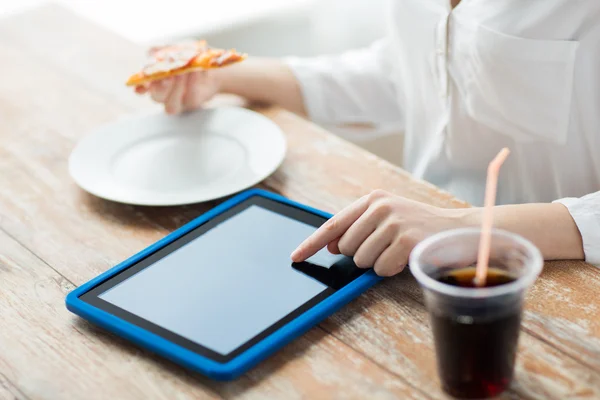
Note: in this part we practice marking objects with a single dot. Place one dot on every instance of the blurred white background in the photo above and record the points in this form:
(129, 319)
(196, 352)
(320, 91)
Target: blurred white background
(257, 27)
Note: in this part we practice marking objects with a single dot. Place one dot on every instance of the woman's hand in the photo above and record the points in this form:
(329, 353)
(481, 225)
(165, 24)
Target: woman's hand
(380, 230)
(185, 92)
(258, 80)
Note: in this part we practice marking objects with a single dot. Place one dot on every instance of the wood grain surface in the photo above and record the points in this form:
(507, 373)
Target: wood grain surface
(63, 76)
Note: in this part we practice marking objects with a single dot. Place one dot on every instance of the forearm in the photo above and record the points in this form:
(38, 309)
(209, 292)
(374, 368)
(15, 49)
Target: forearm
(549, 226)
(263, 80)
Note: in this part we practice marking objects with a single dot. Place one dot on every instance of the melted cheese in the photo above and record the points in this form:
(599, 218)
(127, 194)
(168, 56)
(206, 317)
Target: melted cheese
(169, 58)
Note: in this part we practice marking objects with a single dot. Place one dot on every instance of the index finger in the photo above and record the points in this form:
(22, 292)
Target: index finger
(330, 230)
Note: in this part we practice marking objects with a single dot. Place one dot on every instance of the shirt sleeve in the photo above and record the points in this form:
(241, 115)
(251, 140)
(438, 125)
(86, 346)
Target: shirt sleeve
(586, 213)
(353, 87)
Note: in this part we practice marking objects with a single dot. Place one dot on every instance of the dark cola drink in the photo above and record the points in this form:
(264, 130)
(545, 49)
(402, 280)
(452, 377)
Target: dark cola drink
(475, 329)
(476, 348)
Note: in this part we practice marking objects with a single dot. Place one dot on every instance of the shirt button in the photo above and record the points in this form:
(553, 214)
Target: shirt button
(440, 51)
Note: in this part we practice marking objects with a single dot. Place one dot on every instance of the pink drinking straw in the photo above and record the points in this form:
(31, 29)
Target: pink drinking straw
(491, 185)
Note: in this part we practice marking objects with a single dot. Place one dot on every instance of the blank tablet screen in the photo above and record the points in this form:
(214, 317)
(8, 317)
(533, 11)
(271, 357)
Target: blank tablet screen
(221, 289)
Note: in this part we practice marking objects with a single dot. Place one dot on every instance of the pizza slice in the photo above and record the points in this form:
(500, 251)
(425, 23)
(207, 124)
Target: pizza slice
(181, 58)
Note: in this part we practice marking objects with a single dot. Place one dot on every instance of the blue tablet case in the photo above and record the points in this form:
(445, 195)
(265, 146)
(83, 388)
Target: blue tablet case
(180, 355)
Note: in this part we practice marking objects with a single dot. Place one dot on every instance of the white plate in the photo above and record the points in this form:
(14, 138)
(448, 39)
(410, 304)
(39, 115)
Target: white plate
(160, 160)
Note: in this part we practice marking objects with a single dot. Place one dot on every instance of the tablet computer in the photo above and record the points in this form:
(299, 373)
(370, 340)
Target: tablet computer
(221, 294)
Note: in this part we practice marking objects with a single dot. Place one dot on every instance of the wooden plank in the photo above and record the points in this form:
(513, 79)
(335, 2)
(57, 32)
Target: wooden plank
(54, 220)
(47, 354)
(94, 66)
(37, 136)
(8, 391)
(386, 330)
(81, 236)
(80, 250)
(73, 359)
(563, 306)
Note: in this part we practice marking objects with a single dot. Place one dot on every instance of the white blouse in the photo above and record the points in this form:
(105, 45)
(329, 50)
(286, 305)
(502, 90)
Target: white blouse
(464, 83)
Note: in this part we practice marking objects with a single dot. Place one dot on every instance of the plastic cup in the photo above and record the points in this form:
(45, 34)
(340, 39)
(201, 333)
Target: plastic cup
(475, 330)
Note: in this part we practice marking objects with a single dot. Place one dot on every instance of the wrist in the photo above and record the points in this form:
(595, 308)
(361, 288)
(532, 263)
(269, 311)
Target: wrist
(468, 217)
(219, 80)
(233, 79)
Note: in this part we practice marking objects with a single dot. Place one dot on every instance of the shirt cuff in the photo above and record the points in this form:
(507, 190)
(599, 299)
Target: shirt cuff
(586, 214)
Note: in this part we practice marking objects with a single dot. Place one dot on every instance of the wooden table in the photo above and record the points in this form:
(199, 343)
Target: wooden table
(62, 76)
